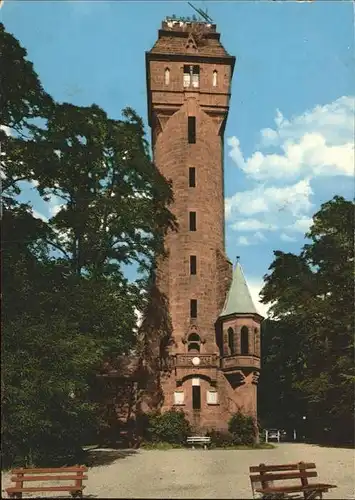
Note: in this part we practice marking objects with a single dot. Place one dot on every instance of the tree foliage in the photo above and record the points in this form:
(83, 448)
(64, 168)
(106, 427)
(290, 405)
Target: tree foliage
(309, 350)
(67, 305)
(243, 429)
(168, 427)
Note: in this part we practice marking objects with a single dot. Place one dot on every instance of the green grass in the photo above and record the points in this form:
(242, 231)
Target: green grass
(169, 446)
(261, 446)
(159, 446)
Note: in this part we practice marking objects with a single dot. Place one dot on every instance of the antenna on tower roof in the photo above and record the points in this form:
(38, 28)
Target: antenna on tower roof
(202, 13)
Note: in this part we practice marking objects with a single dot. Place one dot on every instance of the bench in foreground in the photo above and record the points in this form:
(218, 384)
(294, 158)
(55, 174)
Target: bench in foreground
(20, 476)
(199, 440)
(262, 479)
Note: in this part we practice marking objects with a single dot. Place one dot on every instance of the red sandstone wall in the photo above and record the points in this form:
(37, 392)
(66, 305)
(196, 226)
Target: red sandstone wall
(171, 105)
(173, 155)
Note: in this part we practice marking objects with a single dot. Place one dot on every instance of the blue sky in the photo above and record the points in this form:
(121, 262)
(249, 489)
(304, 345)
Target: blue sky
(289, 137)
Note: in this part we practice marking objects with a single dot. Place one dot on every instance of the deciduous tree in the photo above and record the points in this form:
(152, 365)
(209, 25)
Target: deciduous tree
(313, 299)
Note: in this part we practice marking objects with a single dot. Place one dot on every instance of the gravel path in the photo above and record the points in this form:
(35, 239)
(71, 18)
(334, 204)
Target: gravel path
(207, 474)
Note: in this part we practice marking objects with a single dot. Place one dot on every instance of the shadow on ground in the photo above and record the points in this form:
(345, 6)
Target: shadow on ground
(102, 456)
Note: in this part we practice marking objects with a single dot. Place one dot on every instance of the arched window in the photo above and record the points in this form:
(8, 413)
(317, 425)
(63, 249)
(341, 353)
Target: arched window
(193, 343)
(167, 76)
(255, 342)
(244, 340)
(231, 340)
(214, 78)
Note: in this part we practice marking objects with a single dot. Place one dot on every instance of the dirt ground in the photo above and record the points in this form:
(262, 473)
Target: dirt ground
(206, 473)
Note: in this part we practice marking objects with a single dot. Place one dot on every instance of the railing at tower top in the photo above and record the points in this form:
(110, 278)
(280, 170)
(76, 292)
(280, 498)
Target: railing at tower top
(237, 360)
(206, 360)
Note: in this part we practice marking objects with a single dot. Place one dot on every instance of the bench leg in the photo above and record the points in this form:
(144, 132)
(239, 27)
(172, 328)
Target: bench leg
(313, 495)
(77, 494)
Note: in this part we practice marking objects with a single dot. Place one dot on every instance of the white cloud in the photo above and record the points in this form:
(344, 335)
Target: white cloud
(252, 225)
(319, 142)
(301, 225)
(254, 287)
(243, 240)
(251, 240)
(286, 237)
(38, 215)
(258, 236)
(6, 129)
(55, 205)
(294, 199)
(284, 208)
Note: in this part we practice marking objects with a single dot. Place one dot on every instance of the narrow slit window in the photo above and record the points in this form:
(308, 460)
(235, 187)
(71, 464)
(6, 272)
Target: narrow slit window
(193, 308)
(193, 264)
(167, 76)
(231, 340)
(244, 340)
(191, 129)
(192, 221)
(192, 177)
(214, 79)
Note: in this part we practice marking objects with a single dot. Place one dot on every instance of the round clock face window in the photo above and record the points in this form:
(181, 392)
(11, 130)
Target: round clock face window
(196, 361)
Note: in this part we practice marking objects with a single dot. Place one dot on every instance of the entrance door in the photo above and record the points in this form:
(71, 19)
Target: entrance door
(196, 397)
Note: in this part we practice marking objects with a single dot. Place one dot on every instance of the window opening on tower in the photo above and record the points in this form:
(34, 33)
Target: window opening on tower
(244, 340)
(191, 76)
(231, 340)
(191, 129)
(192, 221)
(193, 264)
(193, 308)
(193, 343)
(192, 177)
(196, 397)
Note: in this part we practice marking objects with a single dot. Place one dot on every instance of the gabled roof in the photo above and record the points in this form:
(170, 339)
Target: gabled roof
(238, 300)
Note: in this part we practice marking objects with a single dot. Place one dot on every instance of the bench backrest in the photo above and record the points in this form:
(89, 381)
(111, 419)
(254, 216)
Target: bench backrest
(204, 439)
(264, 475)
(76, 473)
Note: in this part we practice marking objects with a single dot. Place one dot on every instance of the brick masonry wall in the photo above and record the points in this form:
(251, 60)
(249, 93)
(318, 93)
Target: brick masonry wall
(171, 105)
(175, 155)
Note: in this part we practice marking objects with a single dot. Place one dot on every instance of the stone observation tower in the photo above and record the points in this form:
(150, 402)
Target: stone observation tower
(215, 350)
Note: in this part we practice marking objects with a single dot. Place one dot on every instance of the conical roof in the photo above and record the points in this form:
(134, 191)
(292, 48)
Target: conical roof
(238, 300)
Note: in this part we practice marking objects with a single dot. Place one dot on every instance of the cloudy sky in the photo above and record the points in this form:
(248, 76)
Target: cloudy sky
(290, 134)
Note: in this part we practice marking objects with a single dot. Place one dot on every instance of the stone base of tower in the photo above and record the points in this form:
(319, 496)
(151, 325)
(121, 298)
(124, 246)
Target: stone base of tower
(221, 396)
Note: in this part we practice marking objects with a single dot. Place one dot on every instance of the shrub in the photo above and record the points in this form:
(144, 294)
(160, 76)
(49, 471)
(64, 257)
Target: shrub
(169, 427)
(220, 439)
(243, 429)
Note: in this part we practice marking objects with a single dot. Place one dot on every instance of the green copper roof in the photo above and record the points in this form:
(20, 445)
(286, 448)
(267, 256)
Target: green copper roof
(238, 300)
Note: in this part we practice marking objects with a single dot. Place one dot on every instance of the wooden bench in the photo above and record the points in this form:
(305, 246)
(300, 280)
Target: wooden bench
(263, 477)
(20, 476)
(201, 440)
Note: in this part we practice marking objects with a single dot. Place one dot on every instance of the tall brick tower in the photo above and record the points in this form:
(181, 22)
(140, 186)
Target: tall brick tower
(189, 77)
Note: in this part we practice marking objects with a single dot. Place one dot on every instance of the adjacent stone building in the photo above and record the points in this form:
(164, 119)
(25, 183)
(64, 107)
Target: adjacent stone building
(214, 353)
